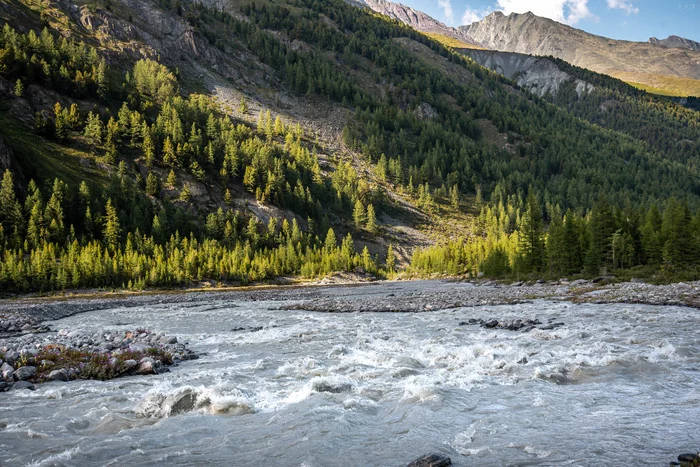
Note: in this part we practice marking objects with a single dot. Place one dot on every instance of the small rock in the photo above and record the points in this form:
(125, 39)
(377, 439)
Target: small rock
(59, 375)
(24, 373)
(431, 460)
(4, 387)
(23, 385)
(688, 457)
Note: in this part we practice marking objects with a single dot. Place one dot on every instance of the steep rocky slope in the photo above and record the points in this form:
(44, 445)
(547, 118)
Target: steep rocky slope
(538, 75)
(653, 64)
(414, 18)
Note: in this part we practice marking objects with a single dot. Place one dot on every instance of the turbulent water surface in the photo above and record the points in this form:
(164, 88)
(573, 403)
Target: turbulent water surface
(614, 385)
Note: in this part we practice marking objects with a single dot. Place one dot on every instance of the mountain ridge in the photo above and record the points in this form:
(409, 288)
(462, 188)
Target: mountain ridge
(649, 64)
(676, 42)
(668, 66)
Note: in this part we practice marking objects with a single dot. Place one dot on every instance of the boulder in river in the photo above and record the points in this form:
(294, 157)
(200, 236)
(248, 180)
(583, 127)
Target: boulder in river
(23, 385)
(431, 460)
(59, 375)
(147, 366)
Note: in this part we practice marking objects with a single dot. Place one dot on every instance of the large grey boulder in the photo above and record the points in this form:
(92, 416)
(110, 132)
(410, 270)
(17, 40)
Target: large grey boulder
(24, 373)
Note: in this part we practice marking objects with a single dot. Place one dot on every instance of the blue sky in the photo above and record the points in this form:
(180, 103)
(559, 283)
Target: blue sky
(635, 20)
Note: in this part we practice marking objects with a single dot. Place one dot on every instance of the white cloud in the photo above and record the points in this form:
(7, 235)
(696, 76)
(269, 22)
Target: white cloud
(446, 6)
(470, 16)
(623, 5)
(564, 11)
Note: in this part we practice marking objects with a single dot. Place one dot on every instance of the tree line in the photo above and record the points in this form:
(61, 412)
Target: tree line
(526, 240)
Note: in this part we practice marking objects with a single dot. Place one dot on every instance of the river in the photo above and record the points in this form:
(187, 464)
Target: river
(610, 385)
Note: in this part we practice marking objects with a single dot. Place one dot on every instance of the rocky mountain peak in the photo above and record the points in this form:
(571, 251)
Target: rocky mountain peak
(676, 42)
(413, 18)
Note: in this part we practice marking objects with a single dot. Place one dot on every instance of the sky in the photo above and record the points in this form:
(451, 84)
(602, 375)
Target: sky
(635, 20)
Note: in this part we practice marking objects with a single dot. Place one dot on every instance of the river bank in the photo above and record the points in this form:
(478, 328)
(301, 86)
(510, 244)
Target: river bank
(30, 312)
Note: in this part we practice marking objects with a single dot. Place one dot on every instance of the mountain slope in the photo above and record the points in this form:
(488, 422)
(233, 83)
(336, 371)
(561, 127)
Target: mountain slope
(224, 141)
(651, 64)
(417, 20)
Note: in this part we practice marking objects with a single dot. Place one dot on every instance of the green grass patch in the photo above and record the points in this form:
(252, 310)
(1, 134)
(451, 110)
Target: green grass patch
(44, 160)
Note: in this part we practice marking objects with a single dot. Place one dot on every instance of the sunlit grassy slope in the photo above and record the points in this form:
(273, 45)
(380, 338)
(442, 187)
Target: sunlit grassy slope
(661, 84)
(452, 42)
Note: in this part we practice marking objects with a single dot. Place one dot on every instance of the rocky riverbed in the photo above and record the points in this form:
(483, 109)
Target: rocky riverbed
(30, 352)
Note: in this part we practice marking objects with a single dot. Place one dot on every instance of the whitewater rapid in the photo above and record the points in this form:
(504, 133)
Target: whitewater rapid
(608, 385)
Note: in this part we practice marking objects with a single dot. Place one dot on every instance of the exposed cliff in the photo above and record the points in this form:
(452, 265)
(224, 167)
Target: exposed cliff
(539, 75)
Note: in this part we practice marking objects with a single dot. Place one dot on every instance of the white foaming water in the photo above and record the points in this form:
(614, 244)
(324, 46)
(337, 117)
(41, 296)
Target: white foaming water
(615, 384)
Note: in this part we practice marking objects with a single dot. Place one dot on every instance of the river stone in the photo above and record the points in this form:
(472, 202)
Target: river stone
(23, 385)
(186, 403)
(6, 371)
(335, 388)
(11, 357)
(147, 366)
(24, 373)
(4, 387)
(688, 457)
(431, 460)
(59, 375)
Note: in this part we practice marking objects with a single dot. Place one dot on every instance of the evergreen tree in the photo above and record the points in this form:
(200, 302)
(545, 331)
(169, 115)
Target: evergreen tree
(652, 242)
(371, 219)
(390, 259)
(601, 227)
(358, 214)
(94, 129)
(185, 194)
(531, 245)
(151, 184)
(19, 88)
(111, 230)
